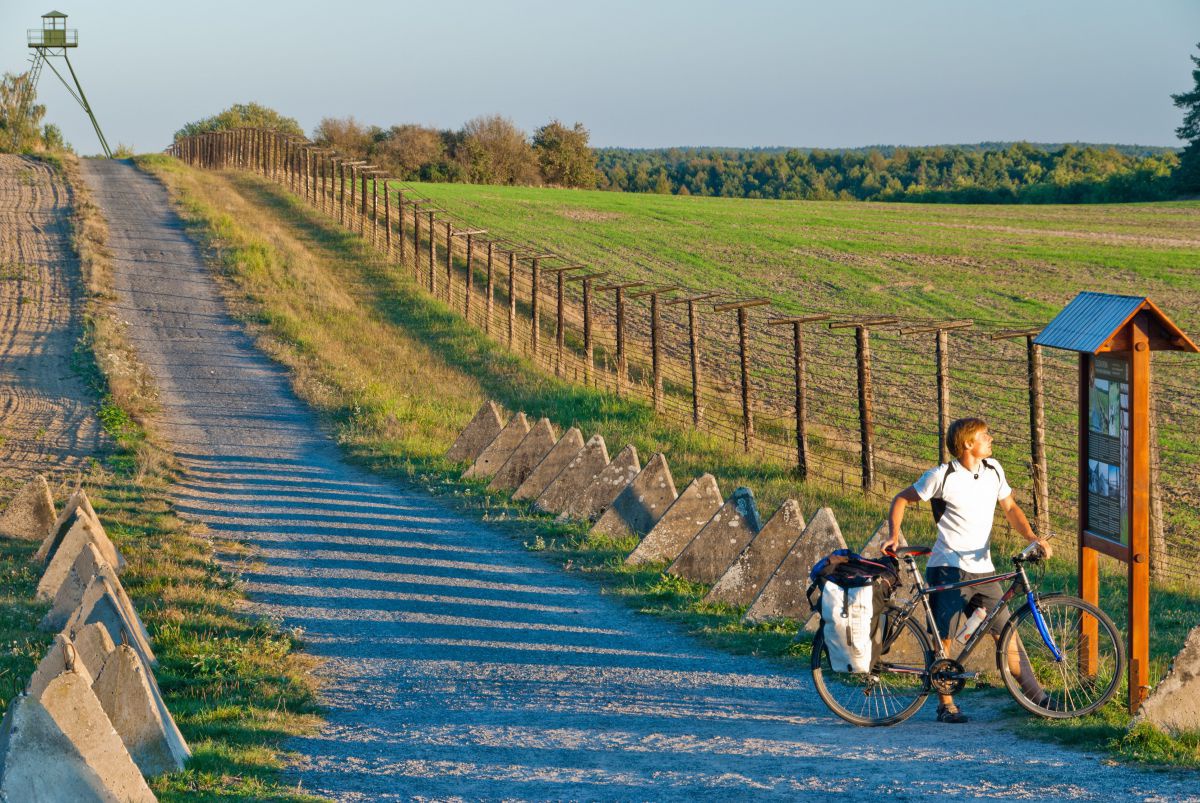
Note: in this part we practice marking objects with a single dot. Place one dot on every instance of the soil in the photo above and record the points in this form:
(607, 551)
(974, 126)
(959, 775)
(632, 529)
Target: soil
(458, 665)
(47, 421)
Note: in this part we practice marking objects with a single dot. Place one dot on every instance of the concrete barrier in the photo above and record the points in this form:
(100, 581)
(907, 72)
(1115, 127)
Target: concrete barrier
(70, 594)
(75, 502)
(639, 507)
(605, 486)
(93, 645)
(1174, 704)
(749, 572)
(479, 432)
(61, 657)
(532, 449)
(100, 604)
(569, 445)
(59, 745)
(83, 532)
(706, 557)
(30, 513)
(576, 476)
(500, 449)
(686, 516)
(131, 700)
(783, 595)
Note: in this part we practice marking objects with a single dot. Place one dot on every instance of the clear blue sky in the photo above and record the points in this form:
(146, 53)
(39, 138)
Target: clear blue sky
(644, 74)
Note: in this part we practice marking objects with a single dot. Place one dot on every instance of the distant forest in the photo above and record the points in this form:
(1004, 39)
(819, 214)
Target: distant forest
(998, 172)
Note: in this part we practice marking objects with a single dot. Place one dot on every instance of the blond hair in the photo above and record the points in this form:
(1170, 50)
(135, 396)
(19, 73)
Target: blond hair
(961, 433)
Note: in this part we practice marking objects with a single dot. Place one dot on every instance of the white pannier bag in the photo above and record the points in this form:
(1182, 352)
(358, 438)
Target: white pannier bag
(846, 613)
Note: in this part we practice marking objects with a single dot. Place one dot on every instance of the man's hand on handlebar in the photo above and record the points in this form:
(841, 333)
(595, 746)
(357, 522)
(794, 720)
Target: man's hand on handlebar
(889, 546)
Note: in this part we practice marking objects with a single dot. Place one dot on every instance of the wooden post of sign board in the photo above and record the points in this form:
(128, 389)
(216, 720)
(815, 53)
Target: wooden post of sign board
(1139, 514)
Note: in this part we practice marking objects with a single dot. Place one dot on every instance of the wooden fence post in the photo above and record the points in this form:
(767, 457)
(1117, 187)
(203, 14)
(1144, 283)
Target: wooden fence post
(744, 360)
(560, 321)
(470, 269)
(619, 326)
(866, 416)
(512, 298)
(400, 225)
(1037, 426)
(800, 376)
(656, 392)
(589, 357)
(449, 264)
(341, 193)
(387, 221)
(362, 216)
(534, 293)
(487, 309)
(694, 350)
(432, 261)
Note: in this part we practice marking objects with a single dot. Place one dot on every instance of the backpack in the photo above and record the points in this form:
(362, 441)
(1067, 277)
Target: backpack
(936, 503)
(850, 592)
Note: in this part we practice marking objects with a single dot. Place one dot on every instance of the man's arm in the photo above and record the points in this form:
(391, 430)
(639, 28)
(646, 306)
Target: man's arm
(1016, 520)
(896, 516)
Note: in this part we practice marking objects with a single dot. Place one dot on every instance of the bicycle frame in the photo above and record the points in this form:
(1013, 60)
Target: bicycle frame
(1020, 582)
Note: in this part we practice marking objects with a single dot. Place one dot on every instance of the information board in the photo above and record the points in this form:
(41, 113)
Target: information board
(1108, 449)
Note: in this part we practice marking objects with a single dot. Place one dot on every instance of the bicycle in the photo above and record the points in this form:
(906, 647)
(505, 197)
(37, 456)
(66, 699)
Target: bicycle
(1068, 653)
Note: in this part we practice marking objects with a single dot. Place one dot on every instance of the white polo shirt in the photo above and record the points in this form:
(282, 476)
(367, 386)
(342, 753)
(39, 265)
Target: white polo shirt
(965, 529)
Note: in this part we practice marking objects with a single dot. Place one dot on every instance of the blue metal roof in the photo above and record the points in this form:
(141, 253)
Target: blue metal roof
(1088, 321)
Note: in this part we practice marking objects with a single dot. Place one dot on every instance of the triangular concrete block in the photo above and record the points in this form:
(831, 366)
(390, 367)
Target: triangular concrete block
(783, 596)
(686, 516)
(558, 458)
(532, 449)
(1174, 704)
(84, 531)
(61, 657)
(746, 576)
(642, 503)
(101, 604)
(93, 645)
(30, 513)
(874, 546)
(605, 486)
(60, 746)
(481, 431)
(89, 564)
(135, 709)
(708, 555)
(496, 453)
(77, 501)
(576, 476)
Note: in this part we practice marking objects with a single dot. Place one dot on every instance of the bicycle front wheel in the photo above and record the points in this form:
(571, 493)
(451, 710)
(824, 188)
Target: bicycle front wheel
(1085, 673)
(893, 690)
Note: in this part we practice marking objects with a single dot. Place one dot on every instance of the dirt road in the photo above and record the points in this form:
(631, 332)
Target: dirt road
(46, 412)
(458, 665)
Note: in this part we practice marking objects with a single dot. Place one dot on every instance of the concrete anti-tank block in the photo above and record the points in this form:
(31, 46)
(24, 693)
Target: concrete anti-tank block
(642, 503)
(686, 516)
(481, 431)
(76, 502)
(500, 449)
(783, 595)
(100, 604)
(568, 446)
(60, 746)
(1174, 704)
(134, 707)
(709, 554)
(93, 645)
(30, 513)
(749, 572)
(532, 449)
(88, 565)
(61, 657)
(576, 476)
(84, 531)
(605, 486)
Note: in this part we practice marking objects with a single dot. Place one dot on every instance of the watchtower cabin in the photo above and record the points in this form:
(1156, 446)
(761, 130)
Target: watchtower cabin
(54, 32)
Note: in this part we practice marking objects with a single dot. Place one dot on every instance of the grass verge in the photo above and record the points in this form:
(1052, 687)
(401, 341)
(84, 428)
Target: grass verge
(236, 686)
(396, 375)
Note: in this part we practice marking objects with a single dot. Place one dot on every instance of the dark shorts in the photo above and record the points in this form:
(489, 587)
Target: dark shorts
(949, 607)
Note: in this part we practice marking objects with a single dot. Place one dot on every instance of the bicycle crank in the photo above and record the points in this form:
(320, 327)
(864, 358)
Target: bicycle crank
(947, 676)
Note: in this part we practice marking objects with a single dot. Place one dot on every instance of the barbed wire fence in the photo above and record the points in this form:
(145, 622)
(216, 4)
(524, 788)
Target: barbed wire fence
(847, 398)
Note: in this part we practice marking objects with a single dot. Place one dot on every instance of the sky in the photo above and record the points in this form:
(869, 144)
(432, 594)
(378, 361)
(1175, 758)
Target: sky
(652, 73)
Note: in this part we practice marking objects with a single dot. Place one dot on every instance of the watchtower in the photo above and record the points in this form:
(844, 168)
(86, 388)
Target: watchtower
(53, 40)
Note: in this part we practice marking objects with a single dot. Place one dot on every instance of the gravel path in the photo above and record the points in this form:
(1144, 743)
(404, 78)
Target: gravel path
(46, 411)
(458, 665)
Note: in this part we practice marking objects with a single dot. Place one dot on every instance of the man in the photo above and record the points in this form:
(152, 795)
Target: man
(970, 486)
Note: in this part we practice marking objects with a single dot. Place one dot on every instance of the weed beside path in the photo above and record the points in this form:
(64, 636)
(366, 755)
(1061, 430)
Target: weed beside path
(396, 376)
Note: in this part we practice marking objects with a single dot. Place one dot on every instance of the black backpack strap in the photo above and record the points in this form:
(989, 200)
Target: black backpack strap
(936, 503)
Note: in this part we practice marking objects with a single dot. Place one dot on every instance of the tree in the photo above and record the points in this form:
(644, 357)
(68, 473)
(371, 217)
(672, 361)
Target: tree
(1187, 177)
(19, 115)
(344, 134)
(564, 156)
(243, 114)
(409, 148)
(494, 151)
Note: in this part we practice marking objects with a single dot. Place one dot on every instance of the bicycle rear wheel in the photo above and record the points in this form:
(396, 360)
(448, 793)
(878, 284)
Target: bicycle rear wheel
(892, 691)
(1082, 678)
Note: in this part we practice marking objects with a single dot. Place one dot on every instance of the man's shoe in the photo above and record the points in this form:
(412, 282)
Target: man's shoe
(953, 715)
